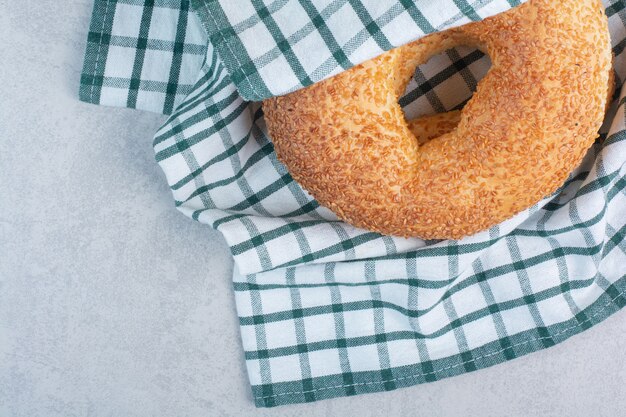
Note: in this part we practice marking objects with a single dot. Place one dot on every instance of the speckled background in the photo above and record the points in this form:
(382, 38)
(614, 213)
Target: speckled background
(114, 304)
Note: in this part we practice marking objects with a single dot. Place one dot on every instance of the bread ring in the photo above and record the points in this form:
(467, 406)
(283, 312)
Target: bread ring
(533, 116)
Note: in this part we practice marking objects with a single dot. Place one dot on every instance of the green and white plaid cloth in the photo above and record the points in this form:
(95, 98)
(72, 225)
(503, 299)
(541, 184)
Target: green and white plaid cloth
(327, 309)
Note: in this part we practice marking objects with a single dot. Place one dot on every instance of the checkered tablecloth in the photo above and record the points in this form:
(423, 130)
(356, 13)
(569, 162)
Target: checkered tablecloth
(327, 309)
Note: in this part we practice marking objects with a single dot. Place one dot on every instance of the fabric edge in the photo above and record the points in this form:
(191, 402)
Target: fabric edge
(95, 56)
(319, 388)
(244, 87)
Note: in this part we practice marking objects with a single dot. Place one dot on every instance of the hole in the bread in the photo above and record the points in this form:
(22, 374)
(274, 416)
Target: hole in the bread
(440, 88)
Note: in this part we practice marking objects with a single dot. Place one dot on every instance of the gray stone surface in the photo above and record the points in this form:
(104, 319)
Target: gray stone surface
(114, 304)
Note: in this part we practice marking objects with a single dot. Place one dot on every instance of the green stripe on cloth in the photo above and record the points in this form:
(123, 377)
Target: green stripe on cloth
(329, 39)
(282, 43)
(454, 321)
(179, 48)
(370, 25)
(142, 42)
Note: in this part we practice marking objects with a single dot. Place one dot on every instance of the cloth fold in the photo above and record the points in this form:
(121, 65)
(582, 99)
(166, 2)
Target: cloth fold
(274, 47)
(327, 309)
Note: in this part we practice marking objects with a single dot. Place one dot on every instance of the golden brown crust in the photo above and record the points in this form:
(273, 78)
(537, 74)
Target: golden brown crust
(430, 127)
(525, 129)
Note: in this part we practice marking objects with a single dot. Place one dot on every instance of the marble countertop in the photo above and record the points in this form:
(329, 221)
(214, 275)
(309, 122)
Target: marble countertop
(114, 304)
